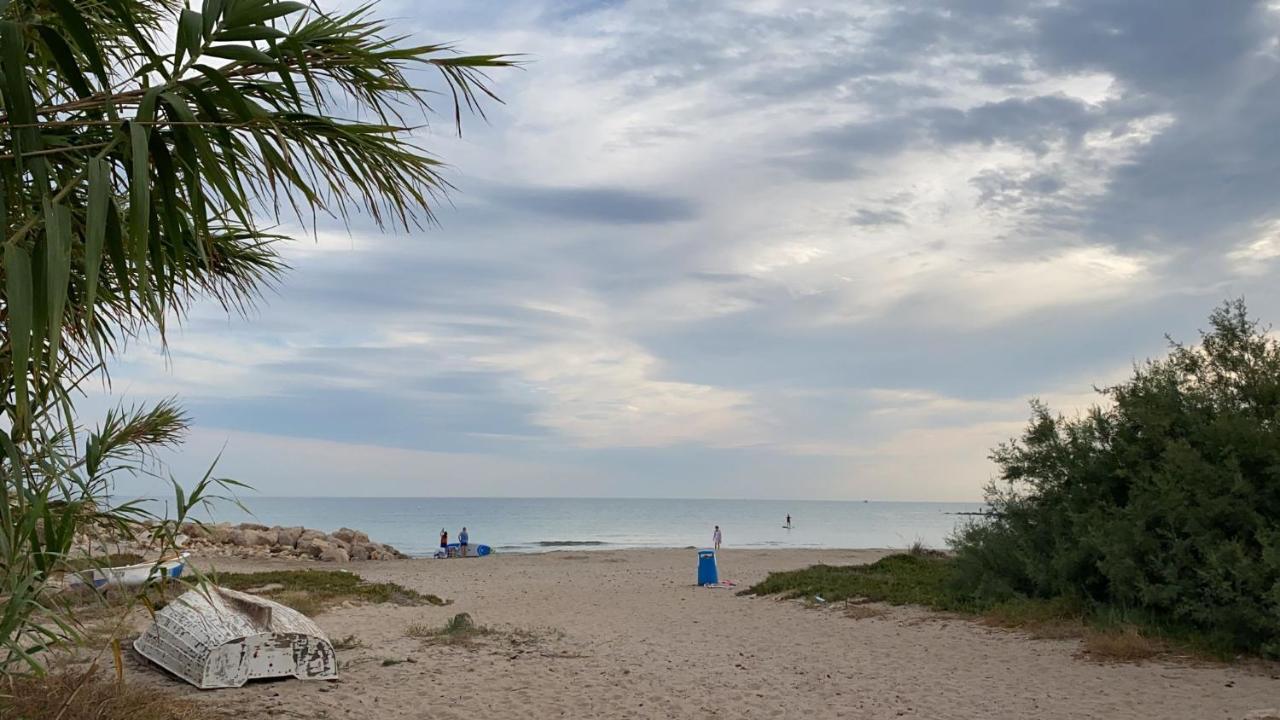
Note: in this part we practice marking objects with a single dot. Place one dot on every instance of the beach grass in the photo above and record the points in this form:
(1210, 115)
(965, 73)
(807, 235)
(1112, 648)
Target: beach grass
(76, 696)
(926, 578)
(897, 579)
(311, 592)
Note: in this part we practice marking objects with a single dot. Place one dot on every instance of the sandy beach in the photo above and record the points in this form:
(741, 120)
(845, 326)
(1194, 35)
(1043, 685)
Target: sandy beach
(627, 634)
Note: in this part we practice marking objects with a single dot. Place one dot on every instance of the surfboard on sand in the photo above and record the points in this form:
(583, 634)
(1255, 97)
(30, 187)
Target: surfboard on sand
(455, 550)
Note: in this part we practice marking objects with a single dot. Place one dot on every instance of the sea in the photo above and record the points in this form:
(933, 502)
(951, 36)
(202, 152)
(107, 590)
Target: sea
(527, 525)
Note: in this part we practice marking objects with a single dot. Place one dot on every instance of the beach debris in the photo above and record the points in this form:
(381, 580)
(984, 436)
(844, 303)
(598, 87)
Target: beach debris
(723, 585)
(215, 637)
(818, 599)
(265, 589)
(1267, 714)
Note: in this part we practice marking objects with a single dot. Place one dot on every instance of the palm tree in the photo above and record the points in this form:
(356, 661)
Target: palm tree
(149, 149)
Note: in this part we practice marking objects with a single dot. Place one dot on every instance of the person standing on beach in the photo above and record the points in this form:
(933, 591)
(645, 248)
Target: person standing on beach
(715, 537)
(462, 541)
(444, 540)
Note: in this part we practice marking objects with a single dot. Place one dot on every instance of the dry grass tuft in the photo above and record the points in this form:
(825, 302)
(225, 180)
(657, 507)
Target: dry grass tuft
(69, 696)
(864, 612)
(1045, 619)
(459, 630)
(1125, 644)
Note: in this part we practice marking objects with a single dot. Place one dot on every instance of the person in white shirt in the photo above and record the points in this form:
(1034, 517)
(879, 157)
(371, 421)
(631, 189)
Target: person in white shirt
(715, 537)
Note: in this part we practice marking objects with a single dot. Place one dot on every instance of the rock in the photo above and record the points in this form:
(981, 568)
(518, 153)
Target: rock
(220, 533)
(195, 531)
(362, 551)
(349, 536)
(315, 547)
(307, 535)
(335, 554)
(248, 537)
(253, 526)
(289, 536)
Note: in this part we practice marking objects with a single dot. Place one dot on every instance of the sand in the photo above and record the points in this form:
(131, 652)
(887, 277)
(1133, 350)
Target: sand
(626, 634)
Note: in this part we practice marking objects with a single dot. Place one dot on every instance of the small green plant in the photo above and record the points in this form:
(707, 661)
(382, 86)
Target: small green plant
(458, 630)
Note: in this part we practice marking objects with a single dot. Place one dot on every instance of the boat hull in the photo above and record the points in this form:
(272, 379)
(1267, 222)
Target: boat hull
(129, 575)
(218, 638)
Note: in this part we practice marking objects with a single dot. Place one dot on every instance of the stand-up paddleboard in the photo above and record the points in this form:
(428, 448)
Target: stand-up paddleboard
(455, 550)
(787, 527)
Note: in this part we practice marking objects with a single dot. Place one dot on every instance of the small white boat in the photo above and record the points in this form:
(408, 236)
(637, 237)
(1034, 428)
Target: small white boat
(213, 637)
(129, 575)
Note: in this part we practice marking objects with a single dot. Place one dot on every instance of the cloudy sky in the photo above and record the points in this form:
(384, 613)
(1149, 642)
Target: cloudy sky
(786, 249)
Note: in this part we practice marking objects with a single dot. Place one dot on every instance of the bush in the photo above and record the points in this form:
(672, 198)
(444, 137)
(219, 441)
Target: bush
(1165, 501)
(898, 579)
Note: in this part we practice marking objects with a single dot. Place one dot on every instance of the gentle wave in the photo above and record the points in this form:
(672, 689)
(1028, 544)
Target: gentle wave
(568, 543)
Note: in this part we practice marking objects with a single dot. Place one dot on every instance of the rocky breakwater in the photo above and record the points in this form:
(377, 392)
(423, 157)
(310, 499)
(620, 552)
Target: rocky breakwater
(254, 540)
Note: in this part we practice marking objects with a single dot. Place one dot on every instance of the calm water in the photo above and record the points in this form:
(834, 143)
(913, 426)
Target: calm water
(542, 524)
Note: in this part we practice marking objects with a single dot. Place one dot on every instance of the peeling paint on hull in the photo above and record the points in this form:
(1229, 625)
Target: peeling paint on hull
(218, 638)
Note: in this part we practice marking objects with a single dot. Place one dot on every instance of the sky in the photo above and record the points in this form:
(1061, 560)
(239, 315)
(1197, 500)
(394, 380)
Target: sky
(760, 249)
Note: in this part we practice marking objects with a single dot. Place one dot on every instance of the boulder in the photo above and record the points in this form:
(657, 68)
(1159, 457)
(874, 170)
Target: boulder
(248, 537)
(335, 554)
(360, 551)
(253, 526)
(307, 535)
(220, 533)
(195, 531)
(349, 536)
(315, 547)
(288, 537)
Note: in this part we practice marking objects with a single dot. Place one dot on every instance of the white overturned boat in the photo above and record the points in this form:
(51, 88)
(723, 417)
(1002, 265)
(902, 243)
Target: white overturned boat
(214, 637)
(129, 575)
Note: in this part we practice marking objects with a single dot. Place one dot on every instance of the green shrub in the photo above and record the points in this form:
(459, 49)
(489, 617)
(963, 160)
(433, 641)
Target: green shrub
(897, 579)
(1165, 501)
